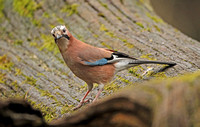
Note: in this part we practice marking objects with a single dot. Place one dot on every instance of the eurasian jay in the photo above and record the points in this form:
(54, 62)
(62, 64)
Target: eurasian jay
(92, 64)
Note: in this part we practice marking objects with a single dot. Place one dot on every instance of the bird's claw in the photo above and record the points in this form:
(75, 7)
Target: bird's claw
(78, 106)
(89, 100)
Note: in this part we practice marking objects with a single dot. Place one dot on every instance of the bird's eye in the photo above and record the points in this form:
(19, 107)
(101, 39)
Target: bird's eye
(64, 30)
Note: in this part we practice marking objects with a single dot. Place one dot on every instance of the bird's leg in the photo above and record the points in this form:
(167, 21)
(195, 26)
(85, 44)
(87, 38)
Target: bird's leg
(82, 101)
(101, 86)
(90, 86)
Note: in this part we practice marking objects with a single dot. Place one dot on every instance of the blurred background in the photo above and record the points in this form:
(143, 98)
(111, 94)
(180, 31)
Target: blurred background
(182, 14)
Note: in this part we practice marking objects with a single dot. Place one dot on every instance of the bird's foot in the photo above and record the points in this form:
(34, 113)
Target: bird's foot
(78, 106)
(89, 100)
(82, 103)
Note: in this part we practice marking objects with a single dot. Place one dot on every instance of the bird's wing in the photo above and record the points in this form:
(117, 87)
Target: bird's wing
(100, 56)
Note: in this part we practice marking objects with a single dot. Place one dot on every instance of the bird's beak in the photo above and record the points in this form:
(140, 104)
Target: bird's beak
(57, 37)
(60, 36)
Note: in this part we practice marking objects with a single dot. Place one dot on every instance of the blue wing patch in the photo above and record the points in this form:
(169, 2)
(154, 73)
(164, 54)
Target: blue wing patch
(98, 62)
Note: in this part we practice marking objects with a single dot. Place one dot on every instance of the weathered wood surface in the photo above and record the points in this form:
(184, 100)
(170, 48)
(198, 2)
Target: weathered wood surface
(159, 103)
(32, 68)
(162, 103)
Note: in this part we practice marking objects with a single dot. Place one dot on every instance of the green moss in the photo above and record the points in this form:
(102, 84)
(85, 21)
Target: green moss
(48, 112)
(5, 63)
(61, 61)
(123, 79)
(112, 87)
(70, 9)
(110, 34)
(10, 35)
(41, 74)
(119, 18)
(60, 20)
(34, 44)
(2, 78)
(46, 93)
(36, 22)
(1, 8)
(80, 37)
(148, 56)
(106, 45)
(160, 75)
(139, 2)
(129, 45)
(49, 44)
(157, 28)
(103, 4)
(18, 71)
(135, 71)
(95, 35)
(30, 80)
(139, 24)
(45, 15)
(155, 18)
(83, 87)
(65, 109)
(25, 7)
(148, 29)
(122, 1)
(59, 93)
(18, 42)
(101, 15)
(15, 84)
(103, 28)
(95, 85)
(52, 26)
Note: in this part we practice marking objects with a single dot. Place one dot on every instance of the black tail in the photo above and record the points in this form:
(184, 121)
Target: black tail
(152, 62)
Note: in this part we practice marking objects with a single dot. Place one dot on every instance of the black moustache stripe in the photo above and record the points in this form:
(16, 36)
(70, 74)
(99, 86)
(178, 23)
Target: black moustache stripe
(65, 36)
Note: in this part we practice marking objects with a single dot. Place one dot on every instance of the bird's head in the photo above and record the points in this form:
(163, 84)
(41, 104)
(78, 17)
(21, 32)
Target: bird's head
(60, 32)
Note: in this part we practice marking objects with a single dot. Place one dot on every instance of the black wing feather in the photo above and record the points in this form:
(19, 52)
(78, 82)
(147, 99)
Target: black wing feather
(122, 55)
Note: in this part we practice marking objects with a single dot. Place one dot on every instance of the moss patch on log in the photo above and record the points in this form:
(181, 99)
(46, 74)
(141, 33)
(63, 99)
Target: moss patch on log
(70, 9)
(1, 9)
(25, 7)
(5, 63)
(49, 44)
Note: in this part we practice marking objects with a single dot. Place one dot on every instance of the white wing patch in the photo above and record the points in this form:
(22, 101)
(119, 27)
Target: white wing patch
(116, 59)
(123, 64)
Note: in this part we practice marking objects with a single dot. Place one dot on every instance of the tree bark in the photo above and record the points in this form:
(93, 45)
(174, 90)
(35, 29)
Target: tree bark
(167, 103)
(32, 68)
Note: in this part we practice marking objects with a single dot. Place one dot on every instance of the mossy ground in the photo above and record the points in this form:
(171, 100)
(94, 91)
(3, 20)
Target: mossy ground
(1, 8)
(48, 44)
(44, 43)
(5, 63)
(70, 9)
(25, 7)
